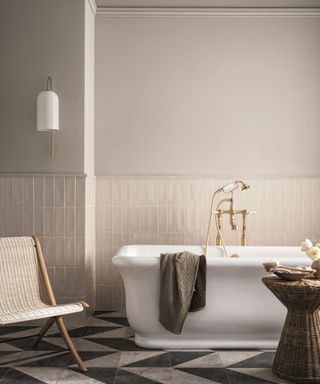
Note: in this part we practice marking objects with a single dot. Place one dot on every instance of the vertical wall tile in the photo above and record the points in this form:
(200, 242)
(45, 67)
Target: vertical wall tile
(80, 251)
(2, 221)
(116, 218)
(49, 222)
(1, 192)
(290, 191)
(100, 215)
(191, 192)
(172, 192)
(80, 222)
(172, 219)
(308, 222)
(126, 191)
(271, 197)
(28, 221)
(59, 222)
(80, 191)
(50, 251)
(8, 227)
(39, 221)
(107, 191)
(28, 191)
(70, 253)
(316, 192)
(60, 251)
(308, 190)
(18, 221)
(116, 191)
(100, 200)
(8, 191)
(299, 192)
(70, 222)
(49, 191)
(100, 274)
(70, 191)
(125, 218)
(163, 218)
(59, 192)
(163, 192)
(154, 219)
(60, 282)
(108, 218)
(144, 218)
(18, 191)
(135, 188)
(39, 191)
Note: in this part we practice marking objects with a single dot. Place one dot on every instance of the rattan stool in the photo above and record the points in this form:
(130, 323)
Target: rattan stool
(298, 353)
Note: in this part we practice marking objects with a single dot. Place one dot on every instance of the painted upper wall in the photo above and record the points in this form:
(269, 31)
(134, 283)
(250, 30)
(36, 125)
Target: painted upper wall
(89, 89)
(207, 95)
(38, 38)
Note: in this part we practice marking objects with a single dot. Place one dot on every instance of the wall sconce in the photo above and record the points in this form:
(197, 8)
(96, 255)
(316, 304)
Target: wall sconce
(48, 111)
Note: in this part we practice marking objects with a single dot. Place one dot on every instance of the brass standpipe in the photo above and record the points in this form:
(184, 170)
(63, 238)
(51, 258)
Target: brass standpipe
(232, 212)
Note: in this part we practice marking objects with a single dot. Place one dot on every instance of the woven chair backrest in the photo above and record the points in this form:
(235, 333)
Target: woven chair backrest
(20, 282)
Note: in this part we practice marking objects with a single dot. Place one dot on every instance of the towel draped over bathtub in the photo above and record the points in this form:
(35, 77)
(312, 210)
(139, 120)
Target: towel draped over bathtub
(182, 288)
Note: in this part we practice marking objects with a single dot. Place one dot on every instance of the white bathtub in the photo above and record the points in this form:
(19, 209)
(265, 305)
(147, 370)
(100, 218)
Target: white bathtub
(240, 312)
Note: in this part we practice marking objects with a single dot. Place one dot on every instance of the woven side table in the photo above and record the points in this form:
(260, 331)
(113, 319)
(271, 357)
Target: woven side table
(298, 353)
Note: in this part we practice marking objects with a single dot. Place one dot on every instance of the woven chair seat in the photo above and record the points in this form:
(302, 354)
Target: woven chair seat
(40, 312)
(26, 293)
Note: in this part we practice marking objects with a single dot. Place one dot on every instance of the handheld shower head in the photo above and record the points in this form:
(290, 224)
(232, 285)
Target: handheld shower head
(230, 187)
(244, 186)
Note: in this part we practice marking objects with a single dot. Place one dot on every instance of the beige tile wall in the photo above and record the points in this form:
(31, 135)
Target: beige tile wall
(82, 221)
(167, 210)
(60, 210)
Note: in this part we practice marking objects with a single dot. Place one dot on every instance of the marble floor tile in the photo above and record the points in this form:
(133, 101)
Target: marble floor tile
(106, 345)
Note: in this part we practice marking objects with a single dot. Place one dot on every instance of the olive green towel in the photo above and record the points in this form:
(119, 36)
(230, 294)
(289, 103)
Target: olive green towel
(182, 288)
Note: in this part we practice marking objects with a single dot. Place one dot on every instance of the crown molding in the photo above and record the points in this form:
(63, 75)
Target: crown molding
(205, 12)
(93, 6)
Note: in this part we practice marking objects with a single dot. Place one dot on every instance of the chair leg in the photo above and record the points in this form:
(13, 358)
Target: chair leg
(69, 343)
(44, 330)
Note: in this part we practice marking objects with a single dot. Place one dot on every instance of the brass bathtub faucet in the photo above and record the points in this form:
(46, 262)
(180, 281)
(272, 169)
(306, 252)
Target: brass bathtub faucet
(232, 212)
(234, 227)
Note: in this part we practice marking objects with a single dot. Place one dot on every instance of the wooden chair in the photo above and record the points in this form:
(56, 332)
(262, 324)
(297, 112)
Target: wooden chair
(24, 284)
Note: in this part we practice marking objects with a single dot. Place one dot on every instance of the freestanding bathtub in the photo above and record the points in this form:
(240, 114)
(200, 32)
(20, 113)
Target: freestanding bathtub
(240, 311)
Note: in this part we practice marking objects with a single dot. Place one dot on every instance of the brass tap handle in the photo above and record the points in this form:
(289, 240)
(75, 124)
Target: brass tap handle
(219, 221)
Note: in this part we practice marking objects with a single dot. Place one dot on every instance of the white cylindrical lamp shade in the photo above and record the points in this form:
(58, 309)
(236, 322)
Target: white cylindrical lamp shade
(47, 111)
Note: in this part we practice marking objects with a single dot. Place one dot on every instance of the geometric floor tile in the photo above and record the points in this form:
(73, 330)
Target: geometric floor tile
(160, 375)
(103, 375)
(125, 377)
(14, 376)
(262, 360)
(216, 375)
(81, 344)
(195, 359)
(110, 360)
(260, 373)
(106, 344)
(49, 375)
(181, 377)
(233, 357)
(69, 376)
(128, 358)
(159, 360)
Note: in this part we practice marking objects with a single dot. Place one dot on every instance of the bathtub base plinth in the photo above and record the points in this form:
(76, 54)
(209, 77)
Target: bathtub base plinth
(179, 342)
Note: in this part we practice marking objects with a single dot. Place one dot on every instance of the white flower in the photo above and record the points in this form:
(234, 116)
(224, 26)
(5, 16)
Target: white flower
(306, 245)
(314, 253)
